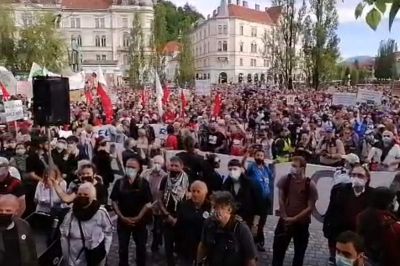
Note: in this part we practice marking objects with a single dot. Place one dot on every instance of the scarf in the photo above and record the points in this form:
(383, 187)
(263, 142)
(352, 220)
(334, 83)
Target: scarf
(85, 214)
(176, 189)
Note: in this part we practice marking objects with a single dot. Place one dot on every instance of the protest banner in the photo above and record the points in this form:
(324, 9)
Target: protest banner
(203, 87)
(77, 81)
(345, 99)
(321, 175)
(290, 99)
(369, 96)
(25, 88)
(12, 111)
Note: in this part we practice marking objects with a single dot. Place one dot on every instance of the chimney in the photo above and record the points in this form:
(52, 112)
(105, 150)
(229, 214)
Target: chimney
(214, 13)
(238, 2)
(257, 7)
(245, 4)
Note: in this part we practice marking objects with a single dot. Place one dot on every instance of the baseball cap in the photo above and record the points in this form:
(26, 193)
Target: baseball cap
(351, 158)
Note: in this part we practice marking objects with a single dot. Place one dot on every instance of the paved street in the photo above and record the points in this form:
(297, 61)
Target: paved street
(317, 252)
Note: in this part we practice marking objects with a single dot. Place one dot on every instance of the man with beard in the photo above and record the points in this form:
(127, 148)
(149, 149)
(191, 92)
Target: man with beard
(17, 243)
(174, 189)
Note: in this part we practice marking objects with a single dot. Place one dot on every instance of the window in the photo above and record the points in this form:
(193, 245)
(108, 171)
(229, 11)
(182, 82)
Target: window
(125, 59)
(99, 23)
(201, 35)
(98, 57)
(75, 22)
(241, 29)
(205, 33)
(254, 47)
(219, 29)
(125, 39)
(205, 63)
(241, 47)
(225, 46)
(27, 20)
(125, 22)
(241, 61)
(197, 50)
(103, 57)
(103, 41)
(253, 62)
(97, 41)
(265, 63)
(79, 40)
(225, 29)
(219, 46)
(201, 50)
(204, 48)
(253, 32)
(208, 75)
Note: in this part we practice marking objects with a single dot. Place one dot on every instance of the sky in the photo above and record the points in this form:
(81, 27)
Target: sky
(356, 38)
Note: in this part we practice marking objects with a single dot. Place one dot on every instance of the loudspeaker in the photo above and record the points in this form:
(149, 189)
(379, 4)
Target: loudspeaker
(51, 101)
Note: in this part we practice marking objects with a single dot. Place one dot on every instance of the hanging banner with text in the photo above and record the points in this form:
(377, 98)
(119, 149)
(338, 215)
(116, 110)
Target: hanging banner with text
(344, 99)
(369, 97)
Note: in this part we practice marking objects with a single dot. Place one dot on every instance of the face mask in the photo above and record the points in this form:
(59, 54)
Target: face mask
(157, 167)
(235, 174)
(358, 185)
(259, 161)
(20, 151)
(87, 179)
(386, 140)
(342, 261)
(5, 220)
(81, 202)
(131, 173)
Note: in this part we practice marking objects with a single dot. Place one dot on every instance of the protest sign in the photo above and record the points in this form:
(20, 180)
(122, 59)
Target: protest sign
(77, 81)
(369, 96)
(290, 99)
(25, 88)
(203, 87)
(345, 99)
(12, 111)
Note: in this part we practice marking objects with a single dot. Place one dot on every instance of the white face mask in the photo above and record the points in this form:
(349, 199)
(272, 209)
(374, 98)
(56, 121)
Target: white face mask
(235, 174)
(358, 185)
(131, 173)
(157, 167)
(60, 146)
(342, 261)
(395, 205)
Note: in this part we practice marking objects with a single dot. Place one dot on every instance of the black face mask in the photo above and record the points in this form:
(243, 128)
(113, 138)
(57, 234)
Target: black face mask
(174, 174)
(259, 161)
(5, 220)
(81, 202)
(87, 179)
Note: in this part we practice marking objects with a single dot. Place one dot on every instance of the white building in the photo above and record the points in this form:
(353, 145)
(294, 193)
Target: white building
(171, 51)
(101, 28)
(228, 46)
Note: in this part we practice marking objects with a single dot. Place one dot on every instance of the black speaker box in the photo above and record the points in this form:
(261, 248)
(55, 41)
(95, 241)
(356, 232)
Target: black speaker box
(51, 104)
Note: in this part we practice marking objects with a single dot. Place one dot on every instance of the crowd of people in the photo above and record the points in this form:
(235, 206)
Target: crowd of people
(91, 170)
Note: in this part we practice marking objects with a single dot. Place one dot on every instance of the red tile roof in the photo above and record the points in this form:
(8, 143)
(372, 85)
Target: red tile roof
(86, 4)
(274, 13)
(171, 47)
(252, 15)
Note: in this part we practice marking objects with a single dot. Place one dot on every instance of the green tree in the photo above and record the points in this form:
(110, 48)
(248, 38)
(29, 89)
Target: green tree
(377, 9)
(347, 75)
(320, 42)
(287, 36)
(385, 61)
(160, 36)
(7, 36)
(41, 43)
(136, 53)
(186, 64)
(354, 77)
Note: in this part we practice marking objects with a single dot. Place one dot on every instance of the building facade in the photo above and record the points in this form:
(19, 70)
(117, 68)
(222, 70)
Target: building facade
(230, 45)
(98, 29)
(171, 58)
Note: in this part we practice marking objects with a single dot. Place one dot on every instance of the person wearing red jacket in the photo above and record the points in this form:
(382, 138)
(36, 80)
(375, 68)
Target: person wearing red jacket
(380, 228)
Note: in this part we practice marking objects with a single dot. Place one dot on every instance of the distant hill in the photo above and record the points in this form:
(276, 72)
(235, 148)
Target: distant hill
(363, 59)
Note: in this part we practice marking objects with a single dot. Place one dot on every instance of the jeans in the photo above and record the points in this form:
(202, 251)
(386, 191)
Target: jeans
(157, 232)
(139, 236)
(169, 243)
(283, 236)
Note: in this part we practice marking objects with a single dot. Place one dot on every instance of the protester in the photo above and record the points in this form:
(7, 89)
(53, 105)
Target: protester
(191, 215)
(226, 240)
(19, 160)
(192, 162)
(379, 228)
(86, 232)
(131, 200)
(17, 240)
(350, 250)
(102, 161)
(386, 156)
(297, 197)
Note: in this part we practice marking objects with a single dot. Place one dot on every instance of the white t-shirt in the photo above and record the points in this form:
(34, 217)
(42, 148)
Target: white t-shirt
(46, 198)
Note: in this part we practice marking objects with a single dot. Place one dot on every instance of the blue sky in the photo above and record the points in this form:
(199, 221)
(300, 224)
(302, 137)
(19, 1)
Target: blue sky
(356, 37)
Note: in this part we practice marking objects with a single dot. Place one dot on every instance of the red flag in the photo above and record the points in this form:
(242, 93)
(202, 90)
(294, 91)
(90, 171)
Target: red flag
(167, 94)
(184, 102)
(145, 98)
(6, 95)
(217, 105)
(106, 102)
(89, 97)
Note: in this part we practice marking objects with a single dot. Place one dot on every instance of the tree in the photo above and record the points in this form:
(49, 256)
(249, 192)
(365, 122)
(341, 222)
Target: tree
(7, 36)
(186, 64)
(385, 62)
(354, 77)
(41, 43)
(287, 36)
(160, 37)
(377, 9)
(320, 42)
(136, 53)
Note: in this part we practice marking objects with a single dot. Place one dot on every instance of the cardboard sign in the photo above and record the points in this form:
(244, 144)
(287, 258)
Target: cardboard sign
(369, 96)
(13, 110)
(345, 99)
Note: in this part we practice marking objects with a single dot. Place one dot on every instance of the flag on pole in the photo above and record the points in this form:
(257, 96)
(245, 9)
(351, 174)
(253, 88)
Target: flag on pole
(217, 105)
(4, 92)
(105, 99)
(167, 95)
(160, 95)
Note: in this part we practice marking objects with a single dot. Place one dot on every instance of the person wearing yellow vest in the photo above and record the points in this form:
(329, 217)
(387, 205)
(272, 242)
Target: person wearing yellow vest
(283, 148)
